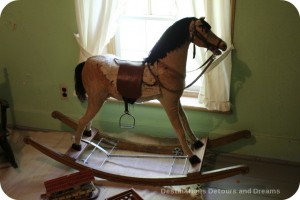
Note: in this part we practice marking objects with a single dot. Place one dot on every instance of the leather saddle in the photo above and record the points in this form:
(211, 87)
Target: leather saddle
(130, 79)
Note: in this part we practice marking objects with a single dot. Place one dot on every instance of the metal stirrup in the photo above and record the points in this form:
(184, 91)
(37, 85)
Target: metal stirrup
(126, 120)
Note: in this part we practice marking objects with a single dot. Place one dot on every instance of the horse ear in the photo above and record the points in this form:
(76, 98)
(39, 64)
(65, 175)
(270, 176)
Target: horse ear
(204, 23)
(201, 21)
(198, 22)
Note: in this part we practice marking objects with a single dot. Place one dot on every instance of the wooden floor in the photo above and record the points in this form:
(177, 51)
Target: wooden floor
(268, 179)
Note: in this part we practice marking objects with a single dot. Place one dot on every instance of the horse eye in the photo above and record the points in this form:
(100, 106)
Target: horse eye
(203, 28)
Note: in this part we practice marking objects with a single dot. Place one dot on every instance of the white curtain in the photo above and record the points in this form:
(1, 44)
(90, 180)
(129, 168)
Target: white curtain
(97, 21)
(216, 88)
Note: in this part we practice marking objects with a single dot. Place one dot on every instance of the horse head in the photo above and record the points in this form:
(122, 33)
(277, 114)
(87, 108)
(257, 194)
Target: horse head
(202, 36)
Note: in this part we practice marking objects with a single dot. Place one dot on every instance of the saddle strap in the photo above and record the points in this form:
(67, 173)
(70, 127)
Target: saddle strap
(129, 81)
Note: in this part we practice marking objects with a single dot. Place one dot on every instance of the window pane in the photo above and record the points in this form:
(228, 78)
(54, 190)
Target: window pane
(155, 29)
(163, 7)
(139, 35)
(136, 7)
(132, 34)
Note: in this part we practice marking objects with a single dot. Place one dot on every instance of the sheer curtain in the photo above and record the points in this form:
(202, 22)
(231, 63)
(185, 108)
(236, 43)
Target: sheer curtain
(97, 21)
(216, 88)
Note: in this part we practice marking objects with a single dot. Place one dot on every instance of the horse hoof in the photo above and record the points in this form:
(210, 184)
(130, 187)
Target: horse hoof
(87, 133)
(76, 147)
(194, 160)
(197, 145)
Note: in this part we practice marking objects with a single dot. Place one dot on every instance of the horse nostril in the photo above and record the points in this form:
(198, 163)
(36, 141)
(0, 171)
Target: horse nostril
(223, 46)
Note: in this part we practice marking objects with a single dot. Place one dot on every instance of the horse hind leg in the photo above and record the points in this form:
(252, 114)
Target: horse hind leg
(183, 118)
(94, 105)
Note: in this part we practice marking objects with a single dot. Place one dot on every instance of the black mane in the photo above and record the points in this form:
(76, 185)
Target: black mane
(174, 37)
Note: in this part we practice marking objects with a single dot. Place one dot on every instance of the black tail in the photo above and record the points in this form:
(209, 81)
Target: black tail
(79, 88)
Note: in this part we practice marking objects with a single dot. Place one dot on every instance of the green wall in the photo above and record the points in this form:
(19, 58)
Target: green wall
(38, 53)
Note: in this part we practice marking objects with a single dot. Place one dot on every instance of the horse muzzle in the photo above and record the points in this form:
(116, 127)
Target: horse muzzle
(217, 50)
(223, 46)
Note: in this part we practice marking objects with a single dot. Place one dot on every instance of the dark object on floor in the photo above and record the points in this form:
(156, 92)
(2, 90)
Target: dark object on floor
(8, 153)
(129, 194)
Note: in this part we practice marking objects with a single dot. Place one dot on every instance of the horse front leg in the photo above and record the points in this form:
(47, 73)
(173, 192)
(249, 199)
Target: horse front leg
(184, 120)
(88, 129)
(172, 110)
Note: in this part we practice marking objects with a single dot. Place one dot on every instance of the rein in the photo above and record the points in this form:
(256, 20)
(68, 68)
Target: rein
(208, 62)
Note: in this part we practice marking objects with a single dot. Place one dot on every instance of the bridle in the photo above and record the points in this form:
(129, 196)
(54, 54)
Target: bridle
(194, 33)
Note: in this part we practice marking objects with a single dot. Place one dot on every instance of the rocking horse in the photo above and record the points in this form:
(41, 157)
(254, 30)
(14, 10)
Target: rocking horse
(159, 76)
(166, 63)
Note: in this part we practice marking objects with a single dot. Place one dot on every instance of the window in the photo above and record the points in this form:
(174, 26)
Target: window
(142, 24)
(97, 24)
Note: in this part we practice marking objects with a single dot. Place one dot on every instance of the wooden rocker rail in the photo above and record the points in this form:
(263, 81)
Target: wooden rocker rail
(71, 156)
(163, 149)
(191, 178)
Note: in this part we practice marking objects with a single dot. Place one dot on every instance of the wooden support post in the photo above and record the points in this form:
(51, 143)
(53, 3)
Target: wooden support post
(64, 119)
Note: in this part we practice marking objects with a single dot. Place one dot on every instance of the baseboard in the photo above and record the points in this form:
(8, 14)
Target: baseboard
(27, 128)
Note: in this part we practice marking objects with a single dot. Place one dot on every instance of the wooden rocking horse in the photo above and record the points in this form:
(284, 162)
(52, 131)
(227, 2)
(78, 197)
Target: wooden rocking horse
(166, 63)
(160, 76)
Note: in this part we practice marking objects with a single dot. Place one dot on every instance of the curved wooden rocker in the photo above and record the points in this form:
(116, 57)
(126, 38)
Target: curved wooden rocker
(70, 158)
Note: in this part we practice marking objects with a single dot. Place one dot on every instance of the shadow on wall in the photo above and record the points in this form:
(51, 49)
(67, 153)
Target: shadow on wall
(240, 73)
(5, 93)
